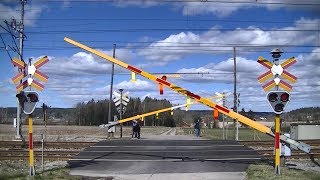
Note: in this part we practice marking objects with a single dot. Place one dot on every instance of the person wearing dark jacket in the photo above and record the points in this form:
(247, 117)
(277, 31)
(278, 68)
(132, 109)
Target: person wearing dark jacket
(135, 129)
(197, 128)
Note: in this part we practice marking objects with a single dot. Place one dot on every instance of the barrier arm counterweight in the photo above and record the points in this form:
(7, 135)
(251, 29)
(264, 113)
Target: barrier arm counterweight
(258, 126)
(142, 115)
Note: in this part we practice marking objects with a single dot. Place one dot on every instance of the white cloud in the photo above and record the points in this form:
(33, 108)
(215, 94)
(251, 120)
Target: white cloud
(78, 64)
(220, 8)
(159, 50)
(140, 3)
(305, 92)
(222, 72)
(138, 85)
(12, 10)
(83, 63)
(176, 46)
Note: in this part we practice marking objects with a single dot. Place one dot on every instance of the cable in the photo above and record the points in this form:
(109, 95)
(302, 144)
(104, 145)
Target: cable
(163, 19)
(167, 29)
(178, 43)
(179, 48)
(5, 47)
(205, 1)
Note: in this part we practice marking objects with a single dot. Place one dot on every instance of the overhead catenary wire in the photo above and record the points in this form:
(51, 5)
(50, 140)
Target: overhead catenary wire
(166, 20)
(127, 30)
(217, 44)
(292, 3)
(174, 48)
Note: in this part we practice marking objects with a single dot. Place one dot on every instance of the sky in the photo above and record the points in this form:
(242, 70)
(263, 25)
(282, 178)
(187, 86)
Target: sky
(195, 38)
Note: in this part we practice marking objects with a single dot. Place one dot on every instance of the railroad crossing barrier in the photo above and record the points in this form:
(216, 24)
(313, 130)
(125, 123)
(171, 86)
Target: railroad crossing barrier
(180, 90)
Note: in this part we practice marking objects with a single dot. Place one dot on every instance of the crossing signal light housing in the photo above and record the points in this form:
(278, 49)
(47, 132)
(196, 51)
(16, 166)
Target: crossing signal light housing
(278, 100)
(28, 101)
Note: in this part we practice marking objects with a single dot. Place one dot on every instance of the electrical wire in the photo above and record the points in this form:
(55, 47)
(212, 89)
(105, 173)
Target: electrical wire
(311, 3)
(127, 30)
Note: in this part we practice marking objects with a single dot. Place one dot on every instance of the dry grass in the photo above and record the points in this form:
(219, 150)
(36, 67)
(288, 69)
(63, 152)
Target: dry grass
(73, 133)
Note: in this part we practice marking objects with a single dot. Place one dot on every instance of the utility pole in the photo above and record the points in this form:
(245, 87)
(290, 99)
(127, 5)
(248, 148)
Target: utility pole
(121, 108)
(235, 99)
(111, 88)
(21, 38)
(224, 129)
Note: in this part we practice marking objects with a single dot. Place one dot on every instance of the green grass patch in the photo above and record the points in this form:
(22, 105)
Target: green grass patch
(266, 172)
(52, 174)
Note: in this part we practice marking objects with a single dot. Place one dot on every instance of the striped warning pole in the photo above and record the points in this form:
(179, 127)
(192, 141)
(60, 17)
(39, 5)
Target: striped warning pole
(31, 160)
(277, 145)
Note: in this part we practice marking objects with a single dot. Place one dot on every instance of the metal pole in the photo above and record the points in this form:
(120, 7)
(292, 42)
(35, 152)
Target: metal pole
(21, 38)
(121, 107)
(235, 109)
(223, 128)
(42, 141)
(111, 88)
(144, 110)
(225, 136)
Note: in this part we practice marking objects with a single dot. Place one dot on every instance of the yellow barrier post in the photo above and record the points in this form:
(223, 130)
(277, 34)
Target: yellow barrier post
(277, 145)
(31, 160)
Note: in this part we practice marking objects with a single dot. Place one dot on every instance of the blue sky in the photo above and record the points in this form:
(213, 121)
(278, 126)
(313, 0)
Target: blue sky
(165, 37)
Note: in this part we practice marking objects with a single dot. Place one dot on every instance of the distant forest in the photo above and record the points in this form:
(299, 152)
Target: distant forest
(96, 113)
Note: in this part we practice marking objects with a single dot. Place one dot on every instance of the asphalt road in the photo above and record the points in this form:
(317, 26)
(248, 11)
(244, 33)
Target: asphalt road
(131, 159)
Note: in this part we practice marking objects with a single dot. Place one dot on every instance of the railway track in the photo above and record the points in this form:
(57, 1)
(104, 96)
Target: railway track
(52, 150)
(49, 144)
(312, 143)
(265, 148)
(65, 150)
(47, 154)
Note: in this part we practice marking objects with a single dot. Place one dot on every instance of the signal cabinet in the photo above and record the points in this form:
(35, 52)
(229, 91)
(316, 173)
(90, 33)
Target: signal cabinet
(302, 131)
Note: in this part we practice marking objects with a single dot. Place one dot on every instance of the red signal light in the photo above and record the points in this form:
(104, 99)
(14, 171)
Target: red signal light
(284, 97)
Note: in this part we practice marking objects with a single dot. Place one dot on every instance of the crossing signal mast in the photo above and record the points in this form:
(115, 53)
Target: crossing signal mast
(278, 99)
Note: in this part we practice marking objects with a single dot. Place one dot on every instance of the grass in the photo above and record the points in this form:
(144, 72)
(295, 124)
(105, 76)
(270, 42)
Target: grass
(266, 172)
(245, 134)
(53, 174)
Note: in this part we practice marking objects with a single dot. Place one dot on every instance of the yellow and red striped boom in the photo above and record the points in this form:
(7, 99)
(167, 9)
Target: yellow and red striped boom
(176, 88)
(141, 116)
(260, 127)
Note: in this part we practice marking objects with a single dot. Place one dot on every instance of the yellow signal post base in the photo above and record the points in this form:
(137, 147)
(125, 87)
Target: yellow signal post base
(277, 145)
(31, 155)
